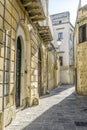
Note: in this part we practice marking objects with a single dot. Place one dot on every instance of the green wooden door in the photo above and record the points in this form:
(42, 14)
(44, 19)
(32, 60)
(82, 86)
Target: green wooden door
(39, 72)
(18, 72)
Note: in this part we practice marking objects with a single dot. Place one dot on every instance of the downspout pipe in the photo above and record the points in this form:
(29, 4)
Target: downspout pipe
(4, 38)
(4, 46)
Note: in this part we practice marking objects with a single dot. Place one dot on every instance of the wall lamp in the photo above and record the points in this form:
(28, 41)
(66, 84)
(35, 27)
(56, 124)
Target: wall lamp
(53, 47)
(59, 42)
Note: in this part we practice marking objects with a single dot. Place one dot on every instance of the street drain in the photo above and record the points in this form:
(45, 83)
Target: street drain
(80, 123)
(85, 109)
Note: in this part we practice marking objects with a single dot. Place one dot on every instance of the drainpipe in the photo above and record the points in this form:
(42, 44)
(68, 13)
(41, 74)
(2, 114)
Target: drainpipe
(4, 38)
(47, 70)
(4, 70)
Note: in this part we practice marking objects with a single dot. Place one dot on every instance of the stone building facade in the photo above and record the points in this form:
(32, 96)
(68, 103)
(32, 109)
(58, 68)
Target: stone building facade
(80, 35)
(63, 31)
(53, 68)
(23, 55)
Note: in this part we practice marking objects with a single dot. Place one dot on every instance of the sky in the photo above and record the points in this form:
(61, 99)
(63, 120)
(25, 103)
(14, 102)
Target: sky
(58, 6)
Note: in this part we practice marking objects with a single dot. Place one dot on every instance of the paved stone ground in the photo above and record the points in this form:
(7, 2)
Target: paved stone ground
(62, 109)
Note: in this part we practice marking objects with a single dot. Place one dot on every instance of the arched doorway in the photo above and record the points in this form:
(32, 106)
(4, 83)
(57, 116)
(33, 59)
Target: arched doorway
(39, 71)
(18, 73)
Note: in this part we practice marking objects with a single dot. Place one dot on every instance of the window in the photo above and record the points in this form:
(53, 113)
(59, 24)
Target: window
(60, 35)
(61, 60)
(82, 33)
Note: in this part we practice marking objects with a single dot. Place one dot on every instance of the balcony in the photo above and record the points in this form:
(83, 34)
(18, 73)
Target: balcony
(34, 9)
(45, 34)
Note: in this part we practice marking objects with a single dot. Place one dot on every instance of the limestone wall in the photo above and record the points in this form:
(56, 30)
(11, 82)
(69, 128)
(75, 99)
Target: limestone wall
(53, 70)
(14, 22)
(81, 54)
(35, 43)
(82, 68)
(44, 69)
(10, 15)
(8, 18)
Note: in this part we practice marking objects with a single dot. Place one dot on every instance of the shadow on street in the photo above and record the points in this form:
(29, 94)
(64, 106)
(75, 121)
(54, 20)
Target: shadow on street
(62, 116)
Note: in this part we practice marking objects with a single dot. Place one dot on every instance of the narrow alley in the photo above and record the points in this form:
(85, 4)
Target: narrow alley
(62, 109)
(43, 65)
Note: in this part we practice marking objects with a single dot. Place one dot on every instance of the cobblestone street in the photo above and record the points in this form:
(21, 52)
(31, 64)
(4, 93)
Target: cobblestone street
(62, 109)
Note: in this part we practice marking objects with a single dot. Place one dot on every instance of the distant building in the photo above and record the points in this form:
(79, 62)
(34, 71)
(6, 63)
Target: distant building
(63, 30)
